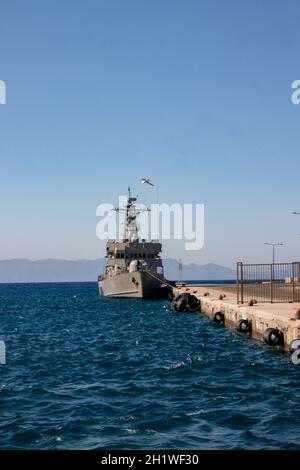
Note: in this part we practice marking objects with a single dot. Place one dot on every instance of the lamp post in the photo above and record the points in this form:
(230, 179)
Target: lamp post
(273, 248)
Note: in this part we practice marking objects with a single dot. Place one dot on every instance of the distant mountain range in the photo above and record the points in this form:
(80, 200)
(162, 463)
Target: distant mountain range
(59, 270)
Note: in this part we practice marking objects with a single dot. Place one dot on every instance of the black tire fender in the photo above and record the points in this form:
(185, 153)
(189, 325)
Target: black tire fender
(219, 317)
(193, 303)
(244, 326)
(294, 345)
(179, 304)
(273, 337)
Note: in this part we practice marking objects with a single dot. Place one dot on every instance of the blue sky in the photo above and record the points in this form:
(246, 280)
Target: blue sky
(193, 94)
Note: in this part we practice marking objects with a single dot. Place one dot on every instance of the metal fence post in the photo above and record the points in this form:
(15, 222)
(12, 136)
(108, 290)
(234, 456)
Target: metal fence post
(237, 284)
(297, 285)
(271, 281)
(240, 283)
(293, 280)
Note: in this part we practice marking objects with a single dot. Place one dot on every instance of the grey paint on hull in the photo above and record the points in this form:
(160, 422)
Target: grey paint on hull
(139, 285)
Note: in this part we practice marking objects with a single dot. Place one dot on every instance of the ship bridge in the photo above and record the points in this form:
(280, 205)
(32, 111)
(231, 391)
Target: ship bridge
(121, 254)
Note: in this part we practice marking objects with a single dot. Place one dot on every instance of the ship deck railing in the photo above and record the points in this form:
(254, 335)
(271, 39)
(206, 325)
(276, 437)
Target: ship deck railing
(152, 240)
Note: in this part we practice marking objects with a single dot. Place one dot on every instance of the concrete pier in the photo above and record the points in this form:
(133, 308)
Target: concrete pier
(260, 317)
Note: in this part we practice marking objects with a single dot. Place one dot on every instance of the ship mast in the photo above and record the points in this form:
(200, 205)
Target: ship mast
(130, 229)
(131, 212)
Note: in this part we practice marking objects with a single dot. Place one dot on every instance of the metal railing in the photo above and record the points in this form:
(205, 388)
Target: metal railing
(276, 282)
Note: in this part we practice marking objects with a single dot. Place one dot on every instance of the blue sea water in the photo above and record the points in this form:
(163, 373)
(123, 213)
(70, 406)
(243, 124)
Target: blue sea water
(85, 372)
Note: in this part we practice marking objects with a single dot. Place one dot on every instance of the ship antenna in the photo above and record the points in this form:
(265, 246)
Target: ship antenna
(130, 229)
(131, 212)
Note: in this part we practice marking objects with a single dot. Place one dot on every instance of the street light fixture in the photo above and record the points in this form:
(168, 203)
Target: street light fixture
(273, 248)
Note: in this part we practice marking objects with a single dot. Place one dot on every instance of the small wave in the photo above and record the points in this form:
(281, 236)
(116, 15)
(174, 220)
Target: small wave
(175, 366)
(186, 362)
(131, 431)
(150, 431)
(126, 418)
(194, 413)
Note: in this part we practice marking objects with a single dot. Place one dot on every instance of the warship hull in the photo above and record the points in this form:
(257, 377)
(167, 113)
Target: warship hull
(138, 285)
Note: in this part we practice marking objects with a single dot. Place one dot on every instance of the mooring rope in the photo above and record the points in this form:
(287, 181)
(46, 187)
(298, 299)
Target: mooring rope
(159, 279)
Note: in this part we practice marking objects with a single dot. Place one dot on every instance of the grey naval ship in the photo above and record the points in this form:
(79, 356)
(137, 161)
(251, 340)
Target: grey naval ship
(133, 267)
